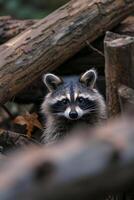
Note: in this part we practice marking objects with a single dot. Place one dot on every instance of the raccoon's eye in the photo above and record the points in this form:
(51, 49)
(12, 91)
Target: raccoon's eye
(64, 101)
(80, 99)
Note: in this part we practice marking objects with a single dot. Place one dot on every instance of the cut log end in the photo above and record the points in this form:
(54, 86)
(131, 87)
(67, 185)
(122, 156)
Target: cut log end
(119, 68)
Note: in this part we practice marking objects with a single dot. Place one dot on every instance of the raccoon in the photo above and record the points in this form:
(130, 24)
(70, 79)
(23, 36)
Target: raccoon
(71, 102)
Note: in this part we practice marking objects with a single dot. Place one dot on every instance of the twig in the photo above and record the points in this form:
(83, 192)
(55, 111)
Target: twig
(7, 111)
(94, 49)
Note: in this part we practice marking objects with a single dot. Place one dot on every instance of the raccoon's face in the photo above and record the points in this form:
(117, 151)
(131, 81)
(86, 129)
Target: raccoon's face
(71, 98)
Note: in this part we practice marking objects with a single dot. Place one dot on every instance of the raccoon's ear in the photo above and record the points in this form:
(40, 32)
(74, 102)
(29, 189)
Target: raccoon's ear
(89, 78)
(52, 81)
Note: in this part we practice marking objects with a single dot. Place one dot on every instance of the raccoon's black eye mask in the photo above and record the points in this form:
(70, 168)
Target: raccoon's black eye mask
(59, 106)
(85, 103)
(81, 100)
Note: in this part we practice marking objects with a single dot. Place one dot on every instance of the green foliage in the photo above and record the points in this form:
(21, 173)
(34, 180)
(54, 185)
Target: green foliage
(24, 9)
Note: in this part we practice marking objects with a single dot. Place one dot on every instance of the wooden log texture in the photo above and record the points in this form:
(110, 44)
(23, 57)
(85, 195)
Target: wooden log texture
(82, 167)
(87, 58)
(126, 27)
(79, 63)
(119, 68)
(50, 42)
(126, 97)
(9, 27)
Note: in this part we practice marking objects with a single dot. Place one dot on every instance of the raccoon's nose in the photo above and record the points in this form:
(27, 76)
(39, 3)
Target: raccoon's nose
(73, 115)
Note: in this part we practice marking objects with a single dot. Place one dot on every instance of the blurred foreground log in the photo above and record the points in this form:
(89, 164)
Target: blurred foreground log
(119, 67)
(51, 41)
(82, 167)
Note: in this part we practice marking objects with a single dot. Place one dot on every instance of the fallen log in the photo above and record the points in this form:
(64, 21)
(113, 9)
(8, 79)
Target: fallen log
(50, 42)
(75, 168)
(126, 27)
(87, 58)
(10, 27)
(119, 68)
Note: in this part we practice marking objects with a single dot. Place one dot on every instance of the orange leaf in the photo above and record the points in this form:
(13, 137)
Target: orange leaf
(30, 120)
(20, 120)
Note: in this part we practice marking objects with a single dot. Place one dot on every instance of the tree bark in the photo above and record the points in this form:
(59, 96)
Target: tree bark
(9, 27)
(77, 64)
(119, 68)
(50, 42)
(126, 97)
(126, 27)
(83, 167)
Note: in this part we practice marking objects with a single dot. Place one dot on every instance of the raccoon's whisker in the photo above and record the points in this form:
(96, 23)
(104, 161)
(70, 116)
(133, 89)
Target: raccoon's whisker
(91, 107)
(95, 108)
(91, 110)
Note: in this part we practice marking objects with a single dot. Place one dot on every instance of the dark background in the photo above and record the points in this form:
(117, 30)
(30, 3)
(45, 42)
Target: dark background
(28, 9)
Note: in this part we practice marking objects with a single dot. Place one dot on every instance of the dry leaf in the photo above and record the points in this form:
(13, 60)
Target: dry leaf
(1, 131)
(30, 120)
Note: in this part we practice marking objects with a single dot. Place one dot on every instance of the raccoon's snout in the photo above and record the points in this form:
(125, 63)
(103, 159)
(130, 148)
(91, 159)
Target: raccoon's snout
(73, 115)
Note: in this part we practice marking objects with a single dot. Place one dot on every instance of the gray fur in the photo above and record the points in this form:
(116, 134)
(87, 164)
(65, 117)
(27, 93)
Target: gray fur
(57, 126)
